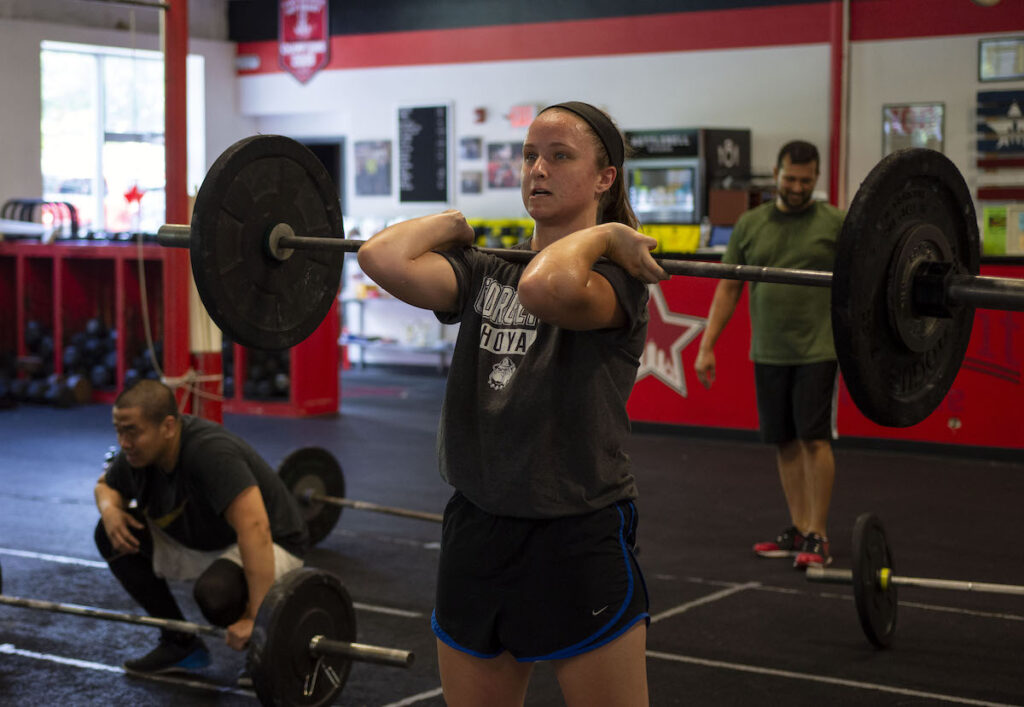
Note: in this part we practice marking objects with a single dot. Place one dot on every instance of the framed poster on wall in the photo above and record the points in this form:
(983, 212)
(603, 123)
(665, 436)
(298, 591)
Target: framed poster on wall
(423, 153)
(1001, 59)
(504, 160)
(913, 125)
(373, 167)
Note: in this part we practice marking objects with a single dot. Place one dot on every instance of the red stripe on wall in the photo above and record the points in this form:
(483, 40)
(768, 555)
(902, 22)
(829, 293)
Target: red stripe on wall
(683, 31)
(672, 32)
(897, 19)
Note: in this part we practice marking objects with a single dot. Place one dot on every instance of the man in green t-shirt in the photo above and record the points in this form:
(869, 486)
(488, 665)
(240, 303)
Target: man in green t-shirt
(791, 346)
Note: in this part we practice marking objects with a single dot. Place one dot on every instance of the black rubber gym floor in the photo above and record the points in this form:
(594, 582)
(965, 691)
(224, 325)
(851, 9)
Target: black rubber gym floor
(728, 628)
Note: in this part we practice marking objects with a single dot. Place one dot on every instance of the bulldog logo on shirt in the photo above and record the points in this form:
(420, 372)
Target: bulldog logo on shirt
(501, 374)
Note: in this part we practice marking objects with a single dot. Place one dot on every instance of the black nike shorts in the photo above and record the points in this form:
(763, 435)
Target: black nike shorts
(541, 589)
(796, 402)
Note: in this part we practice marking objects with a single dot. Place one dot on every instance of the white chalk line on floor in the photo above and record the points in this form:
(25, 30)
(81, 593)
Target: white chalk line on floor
(11, 649)
(61, 559)
(819, 678)
(704, 600)
(1002, 616)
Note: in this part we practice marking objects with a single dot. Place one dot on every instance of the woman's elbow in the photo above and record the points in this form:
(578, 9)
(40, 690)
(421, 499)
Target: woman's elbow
(534, 294)
(370, 257)
(545, 297)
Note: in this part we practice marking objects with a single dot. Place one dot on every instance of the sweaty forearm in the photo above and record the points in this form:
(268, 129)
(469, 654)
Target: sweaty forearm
(401, 259)
(410, 239)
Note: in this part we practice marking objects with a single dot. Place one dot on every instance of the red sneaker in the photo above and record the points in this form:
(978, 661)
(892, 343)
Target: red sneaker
(813, 553)
(789, 542)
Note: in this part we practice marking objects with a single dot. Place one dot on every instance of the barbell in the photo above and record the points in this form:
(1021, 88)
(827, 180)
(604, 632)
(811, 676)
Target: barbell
(875, 585)
(302, 644)
(314, 476)
(266, 245)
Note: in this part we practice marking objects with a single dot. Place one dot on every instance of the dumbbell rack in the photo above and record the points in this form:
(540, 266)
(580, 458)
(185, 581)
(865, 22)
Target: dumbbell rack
(62, 285)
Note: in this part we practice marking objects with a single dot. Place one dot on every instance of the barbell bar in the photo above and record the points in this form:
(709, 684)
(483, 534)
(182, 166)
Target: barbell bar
(875, 584)
(313, 497)
(315, 477)
(266, 250)
(299, 609)
(320, 645)
(885, 579)
(178, 236)
(972, 290)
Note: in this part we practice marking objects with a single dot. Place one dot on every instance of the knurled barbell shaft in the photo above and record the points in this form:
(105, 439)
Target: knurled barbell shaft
(107, 615)
(970, 290)
(312, 496)
(320, 645)
(693, 268)
(177, 236)
(354, 651)
(843, 576)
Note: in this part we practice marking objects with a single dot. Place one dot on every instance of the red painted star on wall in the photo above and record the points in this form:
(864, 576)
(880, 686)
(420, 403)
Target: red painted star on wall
(663, 352)
(134, 195)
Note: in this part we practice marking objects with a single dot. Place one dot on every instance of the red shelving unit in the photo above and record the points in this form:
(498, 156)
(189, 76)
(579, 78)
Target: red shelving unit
(8, 305)
(312, 370)
(85, 289)
(62, 286)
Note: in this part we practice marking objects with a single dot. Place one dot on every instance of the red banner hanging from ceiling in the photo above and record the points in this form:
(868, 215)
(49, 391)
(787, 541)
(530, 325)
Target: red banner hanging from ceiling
(303, 36)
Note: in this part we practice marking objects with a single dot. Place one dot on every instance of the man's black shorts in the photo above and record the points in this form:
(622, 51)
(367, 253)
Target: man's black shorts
(796, 402)
(541, 589)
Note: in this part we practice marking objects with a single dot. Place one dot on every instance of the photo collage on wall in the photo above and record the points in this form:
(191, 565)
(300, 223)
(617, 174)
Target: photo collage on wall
(504, 160)
(471, 181)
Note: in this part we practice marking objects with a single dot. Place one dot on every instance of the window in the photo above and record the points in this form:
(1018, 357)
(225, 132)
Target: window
(103, 133)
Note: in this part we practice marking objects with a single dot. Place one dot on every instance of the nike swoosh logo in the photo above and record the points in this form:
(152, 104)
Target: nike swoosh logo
(599, 611)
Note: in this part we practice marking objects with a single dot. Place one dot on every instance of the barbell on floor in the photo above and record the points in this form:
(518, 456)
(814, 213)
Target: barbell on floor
(875, 585)
(302, 644)
(315, 478)
(266, 245)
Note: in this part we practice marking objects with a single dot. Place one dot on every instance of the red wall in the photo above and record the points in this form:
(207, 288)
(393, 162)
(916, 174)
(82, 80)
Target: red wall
(982, 408)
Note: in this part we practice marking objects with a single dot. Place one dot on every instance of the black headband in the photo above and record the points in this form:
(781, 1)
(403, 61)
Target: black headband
(602, 125)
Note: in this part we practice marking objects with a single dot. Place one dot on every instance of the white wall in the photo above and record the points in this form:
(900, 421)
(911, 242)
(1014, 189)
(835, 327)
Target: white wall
(738, 88)
(20, 174)
(933, 70)
(779, 93)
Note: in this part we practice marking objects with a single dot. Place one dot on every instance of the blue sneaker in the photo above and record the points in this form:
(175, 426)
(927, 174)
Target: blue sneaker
(171, 657)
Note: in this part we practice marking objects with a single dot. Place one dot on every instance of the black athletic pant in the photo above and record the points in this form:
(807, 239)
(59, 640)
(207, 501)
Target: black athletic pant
(221, 591)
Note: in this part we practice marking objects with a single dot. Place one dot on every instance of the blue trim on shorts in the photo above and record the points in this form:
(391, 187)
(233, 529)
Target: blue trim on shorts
(597, 639)
(646, 617)
(443, 636)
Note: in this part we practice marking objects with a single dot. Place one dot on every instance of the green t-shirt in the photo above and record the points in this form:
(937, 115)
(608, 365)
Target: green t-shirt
(790, 324)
